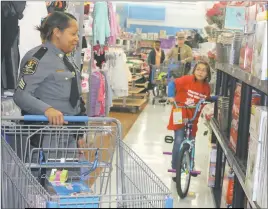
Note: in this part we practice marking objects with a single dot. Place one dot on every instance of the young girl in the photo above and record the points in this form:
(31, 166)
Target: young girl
(187, 90)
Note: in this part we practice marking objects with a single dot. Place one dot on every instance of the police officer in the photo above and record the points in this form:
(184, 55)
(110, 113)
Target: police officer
(49, 83)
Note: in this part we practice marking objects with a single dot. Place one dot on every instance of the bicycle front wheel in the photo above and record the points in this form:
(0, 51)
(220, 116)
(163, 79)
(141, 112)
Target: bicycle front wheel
(183, 172)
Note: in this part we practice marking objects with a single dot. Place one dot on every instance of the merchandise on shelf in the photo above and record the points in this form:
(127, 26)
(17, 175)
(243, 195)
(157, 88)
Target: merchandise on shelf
(256, 175)
(262, 12)
(230, 189)
(227, 187)
(212, 166)
(260, 66)
(235, 113)
(246, 52)
(251, 14)
(162, 34)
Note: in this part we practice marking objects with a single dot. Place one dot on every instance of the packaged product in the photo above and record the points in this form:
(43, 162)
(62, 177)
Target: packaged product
(235, 114)
(246, 52)
(256, 174)
(259, 65)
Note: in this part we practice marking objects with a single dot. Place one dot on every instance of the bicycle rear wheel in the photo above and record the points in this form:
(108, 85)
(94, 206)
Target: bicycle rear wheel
(183, 174)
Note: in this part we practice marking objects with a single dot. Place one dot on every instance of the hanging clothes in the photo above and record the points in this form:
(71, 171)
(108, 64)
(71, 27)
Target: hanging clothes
(99, 55)
(118, 71)
(97, 95)
(115, 30)
(101, 26)
(11, 12)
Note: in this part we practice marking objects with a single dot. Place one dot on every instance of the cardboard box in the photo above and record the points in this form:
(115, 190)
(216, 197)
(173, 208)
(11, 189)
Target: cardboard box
(162, 34)
(212, 166)
(235, 114)
(256, 174)
(260, 65)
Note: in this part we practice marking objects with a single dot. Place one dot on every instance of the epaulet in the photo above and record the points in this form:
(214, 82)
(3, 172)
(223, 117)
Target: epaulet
(30, 66)
(40, 53)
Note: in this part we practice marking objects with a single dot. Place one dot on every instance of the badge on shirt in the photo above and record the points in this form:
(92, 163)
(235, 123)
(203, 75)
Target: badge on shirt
(177, 116)
(30, 67)
(60, 71)
(22, 84)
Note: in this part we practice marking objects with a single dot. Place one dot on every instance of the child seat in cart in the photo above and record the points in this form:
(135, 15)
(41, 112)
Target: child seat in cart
(43, 166)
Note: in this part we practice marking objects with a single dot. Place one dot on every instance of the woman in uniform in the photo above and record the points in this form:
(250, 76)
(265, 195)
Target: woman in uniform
(50, 84)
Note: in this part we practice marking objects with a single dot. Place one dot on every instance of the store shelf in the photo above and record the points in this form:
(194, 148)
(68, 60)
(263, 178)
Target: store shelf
(129, 102)
(136, 78)
(231, 158)
(244, 76)
(142, 84)
(135, 90)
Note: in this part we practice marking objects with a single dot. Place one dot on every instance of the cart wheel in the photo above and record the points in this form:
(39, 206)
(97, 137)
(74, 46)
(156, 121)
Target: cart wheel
(169, 139)
(183, 172)
(156, 91)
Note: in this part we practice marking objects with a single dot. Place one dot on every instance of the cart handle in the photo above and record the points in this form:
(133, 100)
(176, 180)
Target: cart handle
(43, 118)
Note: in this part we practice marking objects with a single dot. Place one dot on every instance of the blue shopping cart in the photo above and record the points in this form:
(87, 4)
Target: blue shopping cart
(76, 165)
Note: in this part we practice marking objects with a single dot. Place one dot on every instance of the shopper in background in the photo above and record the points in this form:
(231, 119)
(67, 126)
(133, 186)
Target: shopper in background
(156, 57)
(187, 90)
(181, 52)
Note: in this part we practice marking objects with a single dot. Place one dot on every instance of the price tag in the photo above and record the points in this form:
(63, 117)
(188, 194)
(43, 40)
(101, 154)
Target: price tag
(177, 116)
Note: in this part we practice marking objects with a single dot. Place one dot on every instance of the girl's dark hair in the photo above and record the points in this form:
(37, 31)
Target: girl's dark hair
(54, 20)
(207, 67)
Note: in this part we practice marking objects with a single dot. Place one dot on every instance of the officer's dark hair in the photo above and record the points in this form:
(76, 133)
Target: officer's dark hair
(208, 78)
(54, 20)
(157, 42)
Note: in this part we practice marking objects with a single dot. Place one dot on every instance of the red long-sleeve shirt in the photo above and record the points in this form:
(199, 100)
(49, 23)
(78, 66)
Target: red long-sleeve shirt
(189, 92)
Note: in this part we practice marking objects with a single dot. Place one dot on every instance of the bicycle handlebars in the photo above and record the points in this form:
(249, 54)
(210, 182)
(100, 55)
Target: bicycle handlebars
(197, 106)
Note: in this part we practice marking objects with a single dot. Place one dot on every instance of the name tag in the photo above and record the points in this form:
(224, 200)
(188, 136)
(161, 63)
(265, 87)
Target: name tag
(177, 116)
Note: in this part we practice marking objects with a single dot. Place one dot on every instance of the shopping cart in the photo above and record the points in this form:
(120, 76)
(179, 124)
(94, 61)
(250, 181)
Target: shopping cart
(159, 81)
(71, 175)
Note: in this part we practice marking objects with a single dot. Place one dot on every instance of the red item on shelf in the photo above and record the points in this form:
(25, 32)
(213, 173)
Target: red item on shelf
(235, 114)
(230, 191)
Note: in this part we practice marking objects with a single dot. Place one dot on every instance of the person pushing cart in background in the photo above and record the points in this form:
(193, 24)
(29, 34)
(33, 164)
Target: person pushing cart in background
(155, 58)
(181, 53)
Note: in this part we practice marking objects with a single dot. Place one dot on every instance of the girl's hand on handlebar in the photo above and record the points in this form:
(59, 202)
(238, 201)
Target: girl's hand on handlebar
(55, 117)
(171, 99)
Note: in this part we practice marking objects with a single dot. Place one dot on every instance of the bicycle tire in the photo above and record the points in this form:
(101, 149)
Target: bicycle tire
(181, 193)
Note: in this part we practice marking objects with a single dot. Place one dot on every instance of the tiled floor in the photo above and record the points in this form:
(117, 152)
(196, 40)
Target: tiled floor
(146, 138)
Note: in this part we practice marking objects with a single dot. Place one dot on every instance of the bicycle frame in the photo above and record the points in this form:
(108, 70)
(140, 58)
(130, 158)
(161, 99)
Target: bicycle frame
(188, 130)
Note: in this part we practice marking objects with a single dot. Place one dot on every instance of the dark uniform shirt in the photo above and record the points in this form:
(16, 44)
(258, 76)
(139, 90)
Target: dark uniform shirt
(45, 81)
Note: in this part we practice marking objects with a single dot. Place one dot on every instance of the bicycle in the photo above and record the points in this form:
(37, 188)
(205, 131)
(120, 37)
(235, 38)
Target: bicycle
(185, 163)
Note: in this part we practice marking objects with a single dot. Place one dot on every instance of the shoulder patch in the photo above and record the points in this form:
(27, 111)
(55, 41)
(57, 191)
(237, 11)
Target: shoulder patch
(40, 53)
(30, 67)
(22, 84)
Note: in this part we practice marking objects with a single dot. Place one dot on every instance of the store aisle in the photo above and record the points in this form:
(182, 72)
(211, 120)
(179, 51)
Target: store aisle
(146, 138)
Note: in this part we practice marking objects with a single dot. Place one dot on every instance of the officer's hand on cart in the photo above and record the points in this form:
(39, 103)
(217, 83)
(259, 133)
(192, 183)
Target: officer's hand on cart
(183, 61)
(55, 117)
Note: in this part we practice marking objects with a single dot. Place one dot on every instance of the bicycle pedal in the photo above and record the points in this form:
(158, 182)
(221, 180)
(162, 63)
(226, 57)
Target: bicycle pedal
(169, 139)
(167, 153)
(172, 170)
(195, 173)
